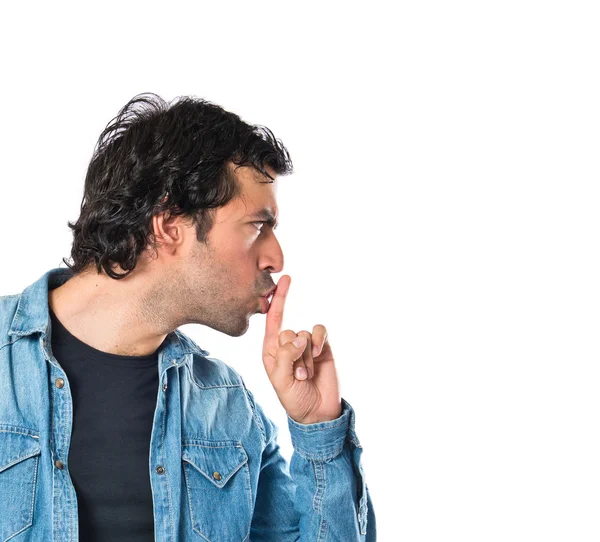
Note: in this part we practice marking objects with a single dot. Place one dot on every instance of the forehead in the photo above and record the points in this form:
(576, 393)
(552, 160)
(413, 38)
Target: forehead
(257, 193)
(257, 190)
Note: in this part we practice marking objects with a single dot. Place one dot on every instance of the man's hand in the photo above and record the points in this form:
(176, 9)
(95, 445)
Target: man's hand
(306, 383)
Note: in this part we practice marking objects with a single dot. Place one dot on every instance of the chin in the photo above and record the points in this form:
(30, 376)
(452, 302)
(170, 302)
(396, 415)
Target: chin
(235, 331)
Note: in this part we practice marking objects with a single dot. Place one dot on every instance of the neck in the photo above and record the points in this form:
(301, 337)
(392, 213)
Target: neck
(115, 316)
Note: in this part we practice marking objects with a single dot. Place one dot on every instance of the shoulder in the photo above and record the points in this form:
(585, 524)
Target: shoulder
(8, 307)
(209, 371)
(8, 302)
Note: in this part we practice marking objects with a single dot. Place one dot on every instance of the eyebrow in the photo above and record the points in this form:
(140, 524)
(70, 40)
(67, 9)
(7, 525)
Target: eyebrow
(267, 215)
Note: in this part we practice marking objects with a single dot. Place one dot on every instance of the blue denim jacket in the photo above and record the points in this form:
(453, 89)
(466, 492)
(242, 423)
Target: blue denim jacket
(215, 466)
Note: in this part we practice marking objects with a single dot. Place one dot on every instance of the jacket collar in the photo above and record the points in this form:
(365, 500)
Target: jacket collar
(32, 316)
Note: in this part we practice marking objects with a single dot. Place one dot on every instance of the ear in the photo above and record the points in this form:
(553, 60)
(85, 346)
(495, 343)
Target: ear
(169, 231)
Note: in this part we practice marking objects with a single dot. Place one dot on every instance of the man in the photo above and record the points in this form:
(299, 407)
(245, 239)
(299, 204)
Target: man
(116, 426)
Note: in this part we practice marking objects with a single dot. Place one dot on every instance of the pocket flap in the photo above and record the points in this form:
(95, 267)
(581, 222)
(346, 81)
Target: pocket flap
(217, 461)
(17, 445)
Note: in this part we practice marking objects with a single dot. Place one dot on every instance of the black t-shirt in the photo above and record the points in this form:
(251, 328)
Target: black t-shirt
(114, 398)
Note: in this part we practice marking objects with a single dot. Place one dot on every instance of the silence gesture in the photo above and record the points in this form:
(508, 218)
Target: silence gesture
(305, 382)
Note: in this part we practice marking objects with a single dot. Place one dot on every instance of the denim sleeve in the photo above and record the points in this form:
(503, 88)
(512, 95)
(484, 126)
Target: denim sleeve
(321, 495)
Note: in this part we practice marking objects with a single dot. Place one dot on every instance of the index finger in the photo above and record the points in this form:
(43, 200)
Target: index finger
(275, 312)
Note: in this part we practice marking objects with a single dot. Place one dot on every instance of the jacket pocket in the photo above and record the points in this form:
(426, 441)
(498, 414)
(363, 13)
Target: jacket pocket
(19, 458)
(218, 487)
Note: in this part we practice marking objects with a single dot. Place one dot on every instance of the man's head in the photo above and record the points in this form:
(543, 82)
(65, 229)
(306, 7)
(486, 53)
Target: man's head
(168, 199)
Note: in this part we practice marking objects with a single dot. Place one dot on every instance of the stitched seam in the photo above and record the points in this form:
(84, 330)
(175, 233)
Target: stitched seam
(323, 526)
(187, 482)
(17, 315)
(33, 492)
(320, 468)
(315, 504)
(325, 455)
(187, 485)
(255, 415)
(312, 429)
(18, 460)
(207, 475)
(167, 470)
(249, 492)
(195, 383)
(52, 400)
(193, 349)
(64, 447)
(319, 477)
(11, 342)
(19, 432)
(234, 444)
(70, 493)
(30, 523)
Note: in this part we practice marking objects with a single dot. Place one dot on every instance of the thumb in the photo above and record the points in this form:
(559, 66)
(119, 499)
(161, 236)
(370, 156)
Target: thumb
(282, 376)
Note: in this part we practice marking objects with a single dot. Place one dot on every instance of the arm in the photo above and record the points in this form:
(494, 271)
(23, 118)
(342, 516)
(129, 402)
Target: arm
(322, 494)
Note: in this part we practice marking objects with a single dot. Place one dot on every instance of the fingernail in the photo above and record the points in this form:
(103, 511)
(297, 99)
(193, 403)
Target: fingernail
(299, 342)
(315, 350)
(301, 373)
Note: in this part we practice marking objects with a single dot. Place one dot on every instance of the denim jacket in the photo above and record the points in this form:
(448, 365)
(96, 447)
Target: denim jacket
(215, 467)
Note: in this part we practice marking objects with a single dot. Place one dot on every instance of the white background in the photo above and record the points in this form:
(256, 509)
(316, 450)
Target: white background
(442, 222)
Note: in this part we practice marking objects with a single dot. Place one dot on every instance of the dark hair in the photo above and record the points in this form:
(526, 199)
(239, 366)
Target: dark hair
(154, 157)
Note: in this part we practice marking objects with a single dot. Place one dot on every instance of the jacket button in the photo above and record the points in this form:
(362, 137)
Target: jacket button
(160, 469)
(216, 476)
(59, 464)
(164, 387)
(59, 382)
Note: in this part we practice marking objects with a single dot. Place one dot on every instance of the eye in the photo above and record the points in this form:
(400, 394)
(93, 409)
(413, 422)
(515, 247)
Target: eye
(261, 223)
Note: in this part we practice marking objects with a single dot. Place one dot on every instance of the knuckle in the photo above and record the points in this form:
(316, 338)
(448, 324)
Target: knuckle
(286, 336)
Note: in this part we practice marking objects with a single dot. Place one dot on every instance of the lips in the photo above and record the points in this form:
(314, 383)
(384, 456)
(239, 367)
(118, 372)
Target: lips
(270, 293)
(268, 298)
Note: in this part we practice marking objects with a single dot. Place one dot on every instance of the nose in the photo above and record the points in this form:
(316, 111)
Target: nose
(272, 255)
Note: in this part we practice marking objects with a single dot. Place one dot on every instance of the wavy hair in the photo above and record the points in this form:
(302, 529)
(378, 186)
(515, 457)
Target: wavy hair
(156, 157)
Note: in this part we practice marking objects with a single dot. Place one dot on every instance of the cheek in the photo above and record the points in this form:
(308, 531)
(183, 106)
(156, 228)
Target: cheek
(236, 262)
(236, 271)
(240, 250)
(238, 245)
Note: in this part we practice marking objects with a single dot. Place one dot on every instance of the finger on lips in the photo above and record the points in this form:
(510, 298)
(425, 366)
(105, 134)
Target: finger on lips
(302, 343)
